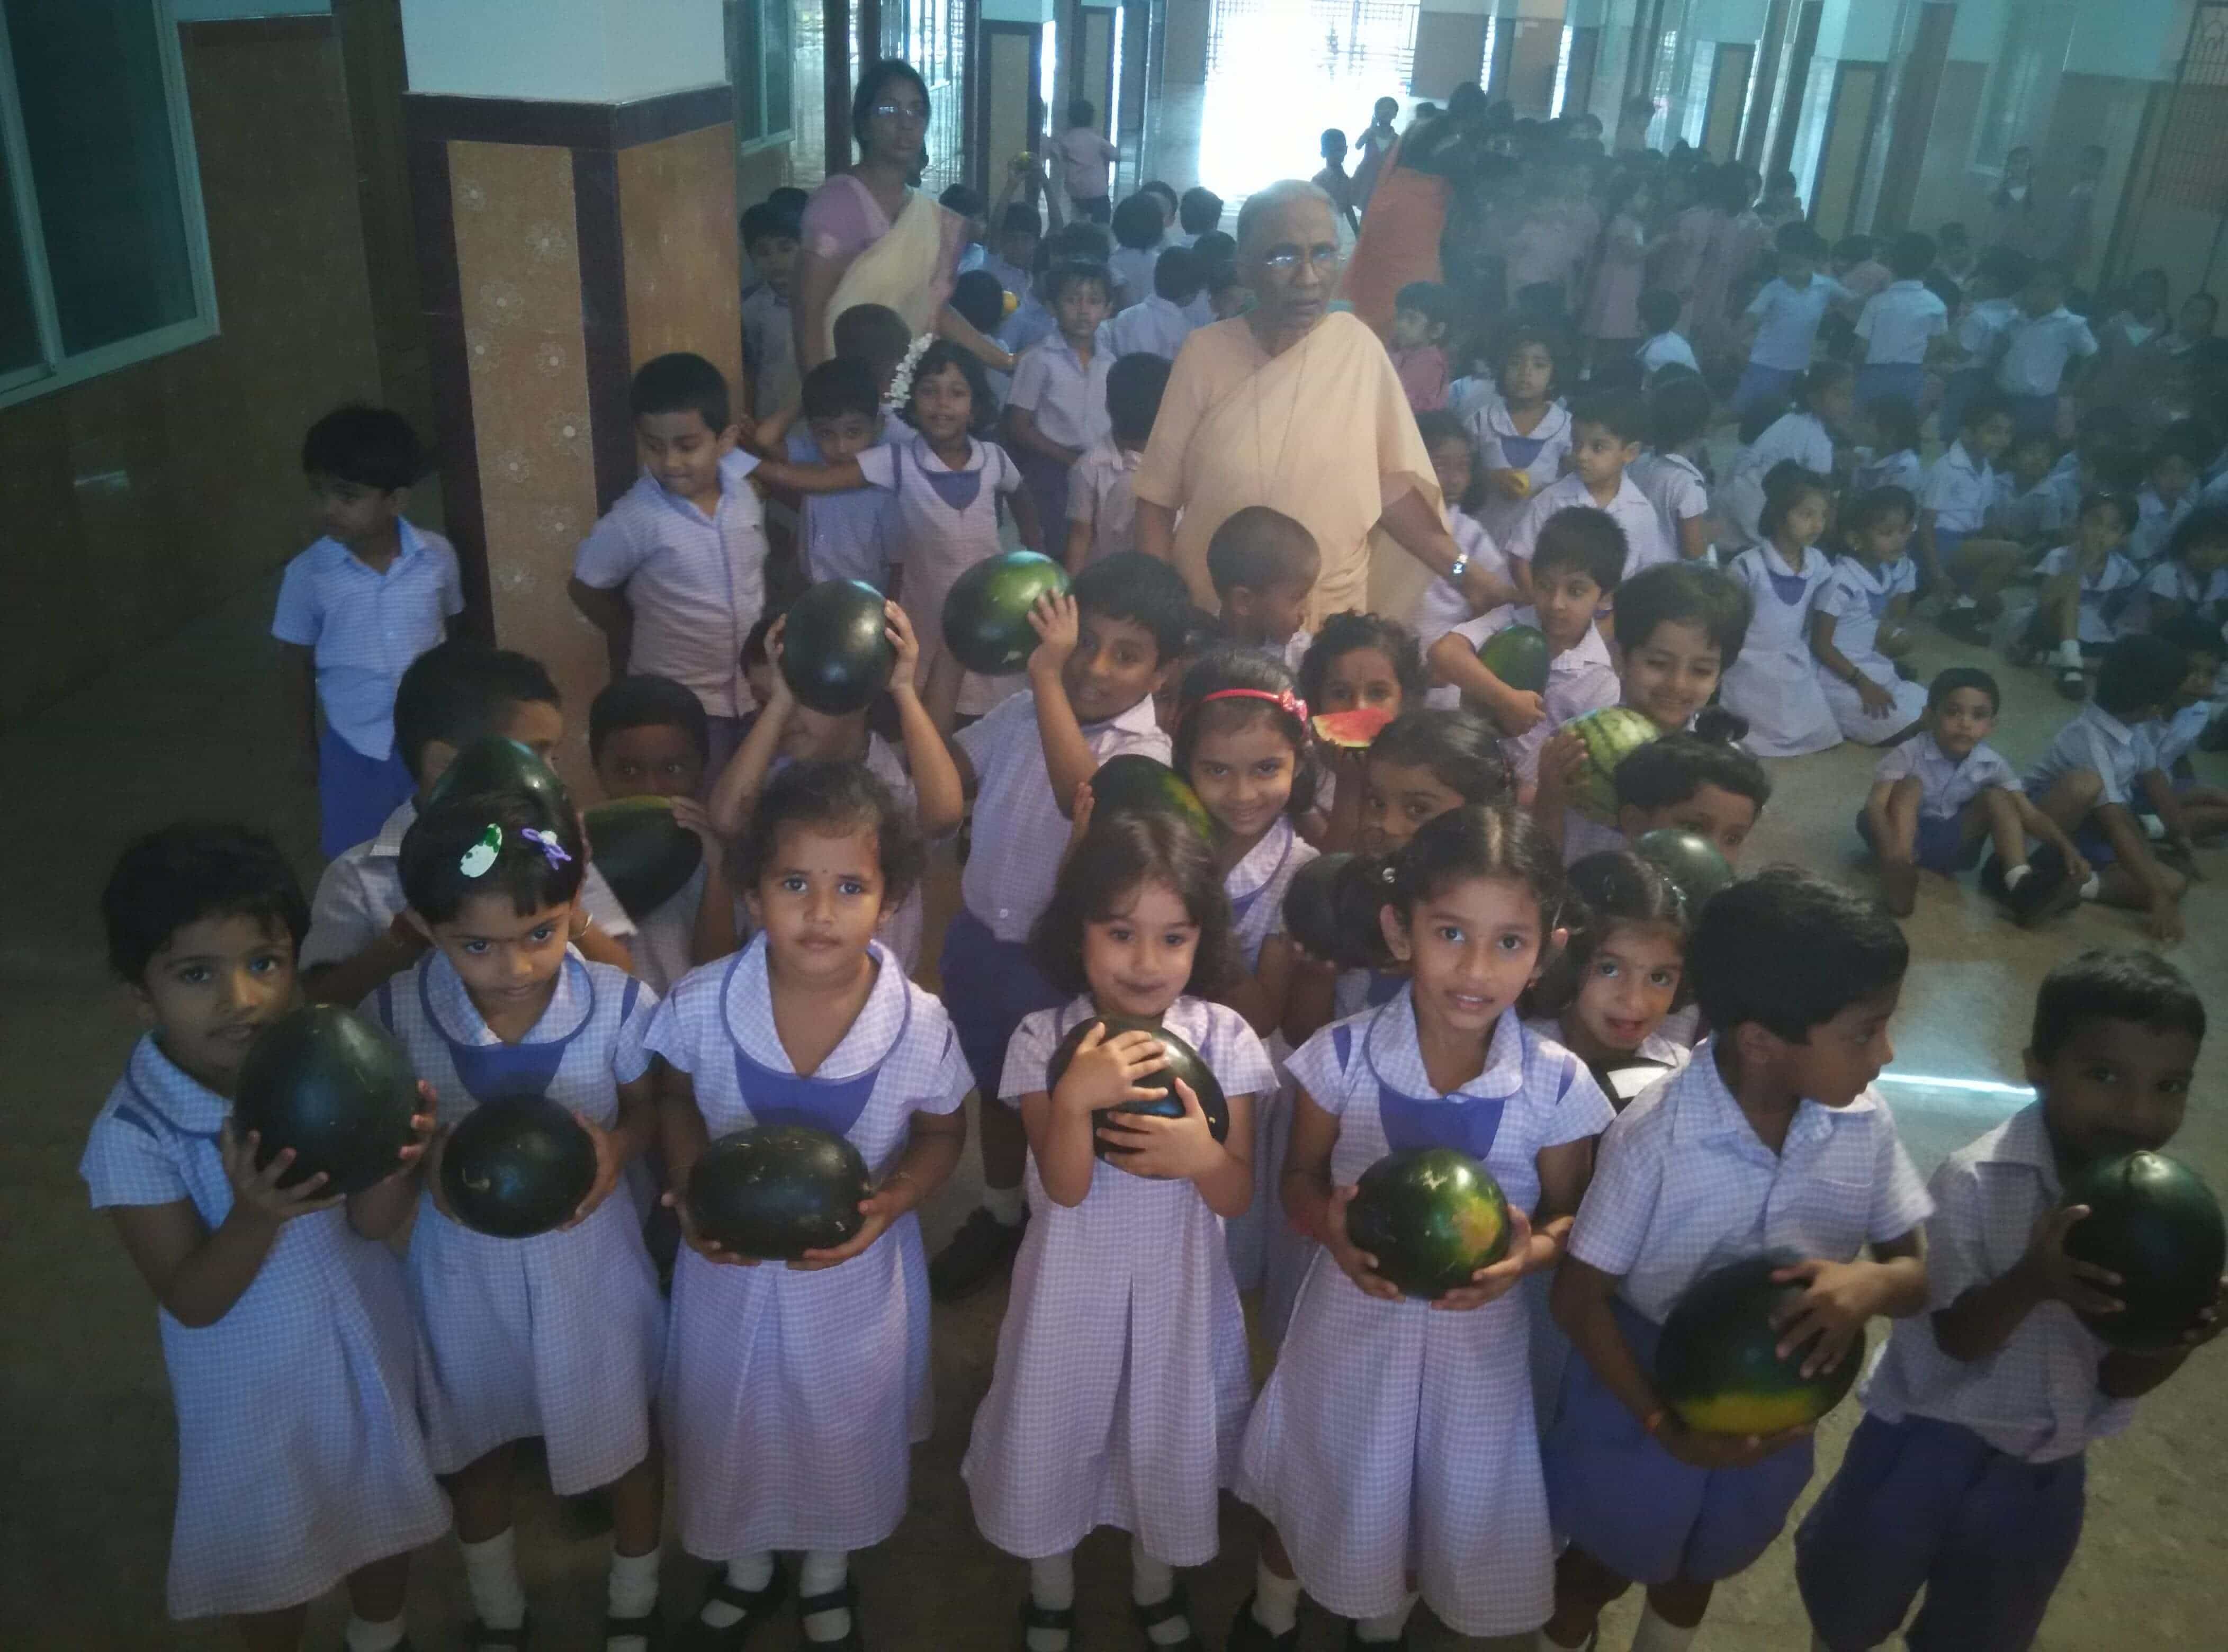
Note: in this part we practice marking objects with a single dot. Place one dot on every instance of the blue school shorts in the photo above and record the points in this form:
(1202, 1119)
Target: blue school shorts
(1624, 1499)
(1002, 986)
(1923, 1503)
(1941, 844)
(1878, 380)
(355, 793)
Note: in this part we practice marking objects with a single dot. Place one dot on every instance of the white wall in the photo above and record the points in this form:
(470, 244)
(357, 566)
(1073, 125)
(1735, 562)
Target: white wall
(589, 51)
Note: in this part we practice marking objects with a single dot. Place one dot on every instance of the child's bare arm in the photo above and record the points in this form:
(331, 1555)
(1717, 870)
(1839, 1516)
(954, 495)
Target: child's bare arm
(302, 691)
(939, 794)
(1693, 537)
(1069, 760)
(942, 701)
(609, 612)
(1079, 544)
(1454, 662)
(842, 477)
(1026, 524)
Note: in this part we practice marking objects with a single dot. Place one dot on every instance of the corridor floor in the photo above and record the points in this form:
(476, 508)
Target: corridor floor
(198, 726)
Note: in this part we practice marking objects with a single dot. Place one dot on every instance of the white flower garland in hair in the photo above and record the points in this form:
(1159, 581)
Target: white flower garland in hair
(901, 382)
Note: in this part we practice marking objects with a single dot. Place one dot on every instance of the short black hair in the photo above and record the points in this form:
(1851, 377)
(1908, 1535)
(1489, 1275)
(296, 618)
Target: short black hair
(1428, 300)
(1658, 309)
(1790, 950)
(1257, 547)
(1351, 629)
(2192, 439)
(838, 386)
(1673, 594)
(1911, 255)
(188, 871)
(1876, 505)
(1982, 407)
(442, 868)
(2122, 505)
(1215, 246)
(1623, 413)
(1584, 539)
(1855, 248)
(1198, 210)
(1178, 274)
(1142, 589)
(1674, 768)
(1118, 854)
(1896, 420)
(1081, 240)
(1798, 240)
(457, 691)
(1460, 748)
(871, 333)
(1069, 271)
(1679, 410)
(1948, 680)
(980, 300)
(834, 797)
(1138, 222)
(1082, 113)
(1134, 387)
(2103, 985)
(647, 701)
(964, 200)
(771, 221)
(2140, 673)
(372, 447)
(1020, 219)
(1817, 379)
(682, 381)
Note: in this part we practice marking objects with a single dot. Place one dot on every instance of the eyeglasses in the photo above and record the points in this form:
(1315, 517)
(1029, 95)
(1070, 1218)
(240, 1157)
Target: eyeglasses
(1285, 260)
(900, 111)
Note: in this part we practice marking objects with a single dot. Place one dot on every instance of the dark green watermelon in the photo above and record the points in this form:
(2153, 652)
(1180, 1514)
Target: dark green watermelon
(1183, 1063)
(776, 1191)
(1717, 1365)
(516, 1167)
(493, 763)
(1692, 863)
(1136, 781)
(1431, 1216)
(836, 651)
(986, 615)
(1518, 656)
(335, 1088)
(1611, 734)
(2153, 1221)
(645, 854)
(1331, 908)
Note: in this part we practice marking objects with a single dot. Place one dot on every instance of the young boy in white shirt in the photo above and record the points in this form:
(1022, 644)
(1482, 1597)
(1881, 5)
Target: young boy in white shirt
(1782, 319)
(2043, 350)
(844, 535)
(1057, 409)
(1670, 473)
(1159, 324)
(1607, 429)
(1899, 326)
(1664, 346)
(1102, 500)
(1953, 507)
(770, 233)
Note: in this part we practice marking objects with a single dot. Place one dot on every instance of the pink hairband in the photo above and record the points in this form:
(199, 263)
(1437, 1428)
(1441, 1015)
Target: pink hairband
(1283, 700)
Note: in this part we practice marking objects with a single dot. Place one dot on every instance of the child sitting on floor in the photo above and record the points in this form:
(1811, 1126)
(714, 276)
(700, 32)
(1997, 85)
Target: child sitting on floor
(1857, 630)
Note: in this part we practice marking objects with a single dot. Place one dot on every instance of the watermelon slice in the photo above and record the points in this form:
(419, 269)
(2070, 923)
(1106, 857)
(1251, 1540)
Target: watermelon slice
(1352, 731)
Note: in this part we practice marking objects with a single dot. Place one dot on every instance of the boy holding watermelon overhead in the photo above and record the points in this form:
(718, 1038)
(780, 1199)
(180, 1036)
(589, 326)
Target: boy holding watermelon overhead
(1770, 1141)
(1965, 1477)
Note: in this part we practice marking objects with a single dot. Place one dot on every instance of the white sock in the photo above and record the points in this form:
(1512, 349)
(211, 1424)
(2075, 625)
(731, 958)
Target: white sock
(2154, 828)
(1385, 1628)
(822, 1573)
(364, 1635)
(2016, 875)
(1276, 1600)
(491, 1572)
(1655, 1635)
(2068, 653)
(633, 1588)
(1152, 1582)
(1005, 1205)
(1052, 1585)
(1957, 605)
(749, 1572)
(2094, 888)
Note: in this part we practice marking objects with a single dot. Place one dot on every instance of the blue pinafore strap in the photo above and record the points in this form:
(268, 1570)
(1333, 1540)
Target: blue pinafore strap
(777, 1097)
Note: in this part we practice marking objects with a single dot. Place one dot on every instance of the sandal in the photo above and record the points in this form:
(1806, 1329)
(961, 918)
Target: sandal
(756, 1606)
(1177, 1603)
(845, 1598)
(1054, 1617)
(2072, 682)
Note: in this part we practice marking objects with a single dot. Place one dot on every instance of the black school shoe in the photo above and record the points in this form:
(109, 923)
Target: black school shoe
(649, 1628)
(1247, 1634)
(1061, 1618)
(981, 1249)
(843, 1599)
(756, 1606)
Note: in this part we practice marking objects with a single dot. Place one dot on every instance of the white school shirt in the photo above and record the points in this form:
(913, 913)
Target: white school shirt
(1899, 322)
(2172, 581)
(1085, 157)
(1133, 268)
(1673, 484)
(2103, 593)
(2037, 350)
(2035, 1398)
(1682, 1185)
(1030, 324)
(1945, 784)
(366, 627)
(769, 352)
(1580, 679)
(1631, 510)
(696, 583)
(1858, 599)
(1012, 277)
(1798, 436)
(2040, 509)
(852, 534)
(1102, 491)
(1901, 470)
(2094, 739)
(2172, 739)
(1958, 489)
(359, 894)
(1491, 429)
(1021, 831)
(1152, 326)
(1468, 394)
(1790, 318)
(1666, 349)
(1441, 606)
(1982, 332)
(2155, 520)
(1067, 396)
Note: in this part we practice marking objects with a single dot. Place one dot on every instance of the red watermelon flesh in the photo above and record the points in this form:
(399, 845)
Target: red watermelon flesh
(1353, 731)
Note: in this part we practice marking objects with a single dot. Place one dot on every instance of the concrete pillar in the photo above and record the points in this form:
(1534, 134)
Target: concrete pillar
(572, 166)
(1450, 46)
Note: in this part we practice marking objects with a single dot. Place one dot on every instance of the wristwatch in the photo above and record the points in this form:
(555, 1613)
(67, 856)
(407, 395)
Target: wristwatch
(1460, 566)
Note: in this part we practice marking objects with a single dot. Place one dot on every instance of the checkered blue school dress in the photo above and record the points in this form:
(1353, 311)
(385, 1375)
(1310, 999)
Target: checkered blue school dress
(556, 1335)
(1122, 1381)
(299, 1455)
(1395, 1440)
(794, 1399)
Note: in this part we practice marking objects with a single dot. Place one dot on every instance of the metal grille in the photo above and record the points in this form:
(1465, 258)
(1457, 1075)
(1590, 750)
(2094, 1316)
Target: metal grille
(935, 42)
(1374, 39)
(2192, 152)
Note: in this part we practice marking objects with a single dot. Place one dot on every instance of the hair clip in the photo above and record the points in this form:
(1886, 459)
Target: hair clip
(479, 860)
(552, 850)
(1283, 700)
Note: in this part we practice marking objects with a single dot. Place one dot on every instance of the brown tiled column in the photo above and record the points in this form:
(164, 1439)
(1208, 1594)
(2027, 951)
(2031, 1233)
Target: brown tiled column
(560, 245)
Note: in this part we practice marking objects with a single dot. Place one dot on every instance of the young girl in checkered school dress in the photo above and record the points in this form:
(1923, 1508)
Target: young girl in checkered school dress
(285, 1336)
(1396, 1440)
(1121, 1378)
(556, 1335)
(795, 1394)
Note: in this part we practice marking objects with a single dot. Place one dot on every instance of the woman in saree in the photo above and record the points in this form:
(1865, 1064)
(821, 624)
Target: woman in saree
(1296, 406)
(1407, 213)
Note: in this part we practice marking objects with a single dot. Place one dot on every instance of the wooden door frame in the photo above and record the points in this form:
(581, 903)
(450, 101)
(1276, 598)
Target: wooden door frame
(1720, 48)
(1841, 68)
(1802, 57)
(1917, 82)
(979, 89)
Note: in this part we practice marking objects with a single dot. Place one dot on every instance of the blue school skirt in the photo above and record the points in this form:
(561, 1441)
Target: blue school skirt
(989, 985)
(1624, 1499)
(1926, 1503)
(1941, 844)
